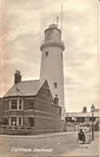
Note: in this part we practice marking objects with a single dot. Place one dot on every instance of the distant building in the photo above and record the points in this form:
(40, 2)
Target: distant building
(75, 119)
(81, 117)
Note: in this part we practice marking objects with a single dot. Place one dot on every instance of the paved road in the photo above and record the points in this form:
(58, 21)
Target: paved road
(63, 144)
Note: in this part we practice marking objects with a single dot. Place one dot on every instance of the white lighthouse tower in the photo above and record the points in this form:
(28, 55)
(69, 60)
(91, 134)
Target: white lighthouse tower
(52, 63)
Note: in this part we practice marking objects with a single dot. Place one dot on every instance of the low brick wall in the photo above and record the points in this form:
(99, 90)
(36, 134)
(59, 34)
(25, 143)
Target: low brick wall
(32, 131)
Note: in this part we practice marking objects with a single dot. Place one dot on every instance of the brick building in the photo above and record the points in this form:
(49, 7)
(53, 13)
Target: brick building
(1, 110)
(28, 108)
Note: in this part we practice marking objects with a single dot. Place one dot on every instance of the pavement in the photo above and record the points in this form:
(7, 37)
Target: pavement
(36, 136)
(62, 144)
(92, 149)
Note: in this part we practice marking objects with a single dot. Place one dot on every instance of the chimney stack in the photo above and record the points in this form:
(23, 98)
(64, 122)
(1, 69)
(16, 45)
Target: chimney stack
(17, 77)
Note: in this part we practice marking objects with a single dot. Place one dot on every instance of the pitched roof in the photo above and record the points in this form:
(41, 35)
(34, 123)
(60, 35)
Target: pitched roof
(24, 88)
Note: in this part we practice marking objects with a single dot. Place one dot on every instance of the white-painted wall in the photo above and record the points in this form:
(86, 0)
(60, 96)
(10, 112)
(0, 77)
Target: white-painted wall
(52, 66)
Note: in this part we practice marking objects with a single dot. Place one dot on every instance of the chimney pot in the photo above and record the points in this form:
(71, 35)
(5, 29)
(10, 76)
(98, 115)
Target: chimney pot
(17, 76)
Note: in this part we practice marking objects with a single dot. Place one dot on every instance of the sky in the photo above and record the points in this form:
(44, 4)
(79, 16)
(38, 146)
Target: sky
(22, 24)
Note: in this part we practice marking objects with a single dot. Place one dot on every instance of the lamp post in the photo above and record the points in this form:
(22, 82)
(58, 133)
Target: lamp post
(92, 111)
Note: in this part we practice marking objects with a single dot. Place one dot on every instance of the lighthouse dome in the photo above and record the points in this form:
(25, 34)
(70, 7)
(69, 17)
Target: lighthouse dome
(53, 33)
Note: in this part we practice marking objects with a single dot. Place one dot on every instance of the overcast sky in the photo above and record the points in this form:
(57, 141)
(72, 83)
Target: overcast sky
(21, 31)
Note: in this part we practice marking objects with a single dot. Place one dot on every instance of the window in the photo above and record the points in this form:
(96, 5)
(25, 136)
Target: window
(46, 53)
(13, 121)
(19, 120)
(5, 121)
(20, 104)
(31, 121)
(14, 104)
(55, 84)
(20, 101)
(31, 105)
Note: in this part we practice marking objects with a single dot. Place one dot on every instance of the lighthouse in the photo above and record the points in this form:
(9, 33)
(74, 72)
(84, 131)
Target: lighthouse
(51, 70)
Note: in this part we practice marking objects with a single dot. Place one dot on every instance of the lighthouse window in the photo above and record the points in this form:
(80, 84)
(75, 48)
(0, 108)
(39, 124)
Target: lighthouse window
(55, 84)
(46, 53)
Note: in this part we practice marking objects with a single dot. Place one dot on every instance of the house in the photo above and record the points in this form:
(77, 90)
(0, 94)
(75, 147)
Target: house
(1, 110)
(29, 108)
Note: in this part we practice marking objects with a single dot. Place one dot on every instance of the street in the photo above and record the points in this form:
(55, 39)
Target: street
(57, 144)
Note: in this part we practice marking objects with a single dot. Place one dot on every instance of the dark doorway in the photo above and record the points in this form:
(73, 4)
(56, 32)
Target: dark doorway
(31, 121)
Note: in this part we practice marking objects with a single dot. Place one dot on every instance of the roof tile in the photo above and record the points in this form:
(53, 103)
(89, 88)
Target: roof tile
(24, 88)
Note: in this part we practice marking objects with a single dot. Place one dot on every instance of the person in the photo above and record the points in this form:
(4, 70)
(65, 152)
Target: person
(81, 136)
(86, 132)
(56, 100)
